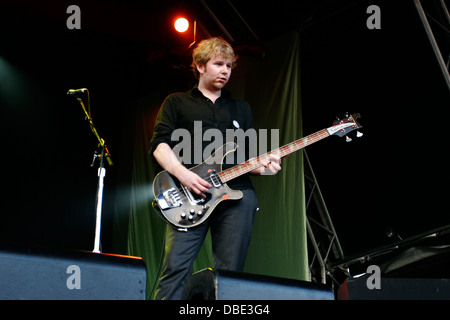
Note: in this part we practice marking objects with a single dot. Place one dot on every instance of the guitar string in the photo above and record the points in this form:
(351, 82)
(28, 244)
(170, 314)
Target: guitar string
(314, 137)
(234, 172)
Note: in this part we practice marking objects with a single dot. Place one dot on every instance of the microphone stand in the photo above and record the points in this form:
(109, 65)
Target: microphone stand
(101, 176)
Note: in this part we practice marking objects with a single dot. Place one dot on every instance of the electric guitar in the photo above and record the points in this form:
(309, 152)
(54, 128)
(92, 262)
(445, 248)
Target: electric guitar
(184, 209)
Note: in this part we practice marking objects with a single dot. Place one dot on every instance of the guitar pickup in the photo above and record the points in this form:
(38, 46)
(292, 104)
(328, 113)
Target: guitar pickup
(169, 199)
(215, 179)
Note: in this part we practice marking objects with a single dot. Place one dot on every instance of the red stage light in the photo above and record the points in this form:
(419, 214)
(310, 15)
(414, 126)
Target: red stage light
(181, 25)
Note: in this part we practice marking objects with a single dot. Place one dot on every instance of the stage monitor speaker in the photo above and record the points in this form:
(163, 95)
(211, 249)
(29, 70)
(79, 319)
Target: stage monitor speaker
(216, 284)
(33, 273)
(396, 289)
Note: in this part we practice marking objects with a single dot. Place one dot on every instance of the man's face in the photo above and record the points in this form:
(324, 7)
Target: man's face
(216, 73)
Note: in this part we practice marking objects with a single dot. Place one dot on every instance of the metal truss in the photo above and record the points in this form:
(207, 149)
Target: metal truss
(323, 239)
(440, 19)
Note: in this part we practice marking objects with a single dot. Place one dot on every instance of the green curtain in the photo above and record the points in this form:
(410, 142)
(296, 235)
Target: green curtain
(279, 247)
(272, 87)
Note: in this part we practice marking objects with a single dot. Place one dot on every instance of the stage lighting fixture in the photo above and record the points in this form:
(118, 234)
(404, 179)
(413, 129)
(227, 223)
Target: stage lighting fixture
(181, 25)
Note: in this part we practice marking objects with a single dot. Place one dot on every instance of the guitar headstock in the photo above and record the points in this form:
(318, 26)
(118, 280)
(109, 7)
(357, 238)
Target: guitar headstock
(343, 126)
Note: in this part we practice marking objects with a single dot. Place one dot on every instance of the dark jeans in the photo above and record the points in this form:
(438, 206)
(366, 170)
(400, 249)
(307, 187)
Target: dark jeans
(231, 227)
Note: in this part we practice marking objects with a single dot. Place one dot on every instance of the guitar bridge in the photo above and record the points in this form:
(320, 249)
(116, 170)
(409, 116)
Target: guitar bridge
(169, 199)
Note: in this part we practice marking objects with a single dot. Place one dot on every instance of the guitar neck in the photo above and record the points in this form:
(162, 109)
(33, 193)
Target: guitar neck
(252, 164)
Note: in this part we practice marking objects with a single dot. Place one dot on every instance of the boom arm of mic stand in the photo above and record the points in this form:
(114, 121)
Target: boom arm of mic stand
(100, 140)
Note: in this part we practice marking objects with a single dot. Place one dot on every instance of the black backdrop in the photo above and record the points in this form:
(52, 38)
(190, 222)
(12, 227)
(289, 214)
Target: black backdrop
(395, 183)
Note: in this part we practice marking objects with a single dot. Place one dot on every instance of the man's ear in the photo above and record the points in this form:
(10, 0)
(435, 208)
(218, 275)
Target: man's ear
(200, 68)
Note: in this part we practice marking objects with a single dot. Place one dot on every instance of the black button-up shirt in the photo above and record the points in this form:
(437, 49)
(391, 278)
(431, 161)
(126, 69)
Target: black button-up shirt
(180, 110)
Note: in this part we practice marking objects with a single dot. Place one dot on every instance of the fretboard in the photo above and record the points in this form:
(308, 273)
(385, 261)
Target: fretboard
(252, 164)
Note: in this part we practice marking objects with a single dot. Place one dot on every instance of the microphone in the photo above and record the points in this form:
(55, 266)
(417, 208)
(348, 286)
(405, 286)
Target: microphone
(76, 92)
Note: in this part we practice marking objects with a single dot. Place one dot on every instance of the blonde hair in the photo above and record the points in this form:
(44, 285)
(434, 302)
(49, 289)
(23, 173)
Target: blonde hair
(209, 48)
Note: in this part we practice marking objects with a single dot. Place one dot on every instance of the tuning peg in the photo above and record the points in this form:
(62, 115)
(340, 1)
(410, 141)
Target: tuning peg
(359, 134)
(348, 139)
